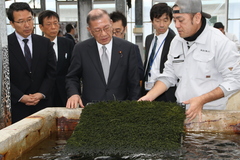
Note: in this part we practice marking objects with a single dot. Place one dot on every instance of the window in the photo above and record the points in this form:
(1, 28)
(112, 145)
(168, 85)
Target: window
(234, 18)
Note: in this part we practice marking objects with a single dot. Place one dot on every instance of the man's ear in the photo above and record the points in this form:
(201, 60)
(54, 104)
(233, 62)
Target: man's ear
(198, 17)
(12, 24)
(125, 30)
(41, 27)
(89, 30)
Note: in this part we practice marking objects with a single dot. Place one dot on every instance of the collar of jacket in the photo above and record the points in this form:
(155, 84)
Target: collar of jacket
(195, 36)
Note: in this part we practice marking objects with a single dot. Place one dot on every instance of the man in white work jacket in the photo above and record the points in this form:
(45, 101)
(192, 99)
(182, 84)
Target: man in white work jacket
(202, 62)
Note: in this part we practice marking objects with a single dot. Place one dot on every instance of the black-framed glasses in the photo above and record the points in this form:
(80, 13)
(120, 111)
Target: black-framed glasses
(22, 22)
(118, 32)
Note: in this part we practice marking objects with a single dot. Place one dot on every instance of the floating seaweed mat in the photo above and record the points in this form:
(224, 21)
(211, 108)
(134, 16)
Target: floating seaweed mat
(128, 127)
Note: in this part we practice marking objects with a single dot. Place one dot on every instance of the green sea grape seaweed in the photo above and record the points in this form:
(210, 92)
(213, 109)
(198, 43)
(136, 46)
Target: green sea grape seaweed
(120, 128)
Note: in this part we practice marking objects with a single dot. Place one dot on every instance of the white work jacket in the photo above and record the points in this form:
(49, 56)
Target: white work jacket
(233, 38)
(211, 61)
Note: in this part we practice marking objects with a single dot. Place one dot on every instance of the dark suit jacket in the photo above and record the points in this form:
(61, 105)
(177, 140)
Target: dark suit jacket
(123, 81)
(22, 81)
(170, 94)
(65, 47)
(69, 36)
(140, 63)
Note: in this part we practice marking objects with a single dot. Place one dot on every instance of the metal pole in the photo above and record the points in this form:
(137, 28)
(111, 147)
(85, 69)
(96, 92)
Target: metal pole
(138, 30)
(84, 7)
(120, 5)
(5, 106)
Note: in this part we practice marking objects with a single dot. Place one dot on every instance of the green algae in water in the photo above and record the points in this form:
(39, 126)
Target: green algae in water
(128, 127)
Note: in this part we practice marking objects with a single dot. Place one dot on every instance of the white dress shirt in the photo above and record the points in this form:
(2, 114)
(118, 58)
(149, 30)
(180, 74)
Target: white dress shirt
(158, 53)
(20, 41)
(55, 47)
(108, 51)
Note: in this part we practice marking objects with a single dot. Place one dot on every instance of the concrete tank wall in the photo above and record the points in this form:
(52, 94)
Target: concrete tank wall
(25, 134)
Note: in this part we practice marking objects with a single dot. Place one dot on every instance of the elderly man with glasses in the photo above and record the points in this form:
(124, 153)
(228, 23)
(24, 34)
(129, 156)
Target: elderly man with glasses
(106, 65)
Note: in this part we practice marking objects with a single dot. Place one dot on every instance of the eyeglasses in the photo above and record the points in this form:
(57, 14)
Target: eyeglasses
(50, 24)
(105, 29)
(117, 32)
(21, 22)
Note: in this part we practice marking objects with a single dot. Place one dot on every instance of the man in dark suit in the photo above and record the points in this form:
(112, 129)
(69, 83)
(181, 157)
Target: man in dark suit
(119, 30)
(161, 17)
(49, 24)
(70, 32)
(32, 64)
(106, 65)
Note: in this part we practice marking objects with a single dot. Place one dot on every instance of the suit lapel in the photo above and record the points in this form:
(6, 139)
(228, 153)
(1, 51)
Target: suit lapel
(36, 50)
(165, 46)
(94, 55)
(148, 44)
(17, 51)
(60, 53)
(165, 50)
(117, 54)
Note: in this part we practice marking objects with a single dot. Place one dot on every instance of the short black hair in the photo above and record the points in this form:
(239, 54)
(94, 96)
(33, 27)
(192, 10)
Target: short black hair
(218, 25)
(46, 14)
(69, 27)
(159, 9)
(116, 16)
(17, 6)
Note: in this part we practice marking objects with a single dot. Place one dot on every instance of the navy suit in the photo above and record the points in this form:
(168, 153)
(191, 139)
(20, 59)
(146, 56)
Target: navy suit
(123, 80)
(65, 47)
(169, 95)
(22, 81)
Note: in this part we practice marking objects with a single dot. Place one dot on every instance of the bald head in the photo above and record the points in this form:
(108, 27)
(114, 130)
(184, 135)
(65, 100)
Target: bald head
(96, 14)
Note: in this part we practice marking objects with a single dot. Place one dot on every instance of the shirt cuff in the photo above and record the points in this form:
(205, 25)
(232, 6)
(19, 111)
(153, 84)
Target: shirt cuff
(20, 99)
(44, 97)
(227, 92)
(166, 82)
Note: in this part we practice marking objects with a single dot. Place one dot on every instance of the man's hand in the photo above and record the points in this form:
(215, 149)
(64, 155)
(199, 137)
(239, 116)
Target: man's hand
(145, 98)
(158, 88)
(31, 99)
(196, 103)
(195, 108)
(37, 96)
(74, 101)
